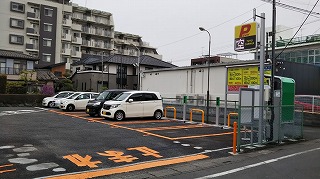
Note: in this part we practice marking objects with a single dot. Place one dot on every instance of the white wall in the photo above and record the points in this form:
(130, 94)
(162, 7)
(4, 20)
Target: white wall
(186, 81)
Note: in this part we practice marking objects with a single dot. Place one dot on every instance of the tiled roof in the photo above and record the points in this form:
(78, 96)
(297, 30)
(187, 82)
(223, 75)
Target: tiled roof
(144, 60)
(16, 54)
(45, 75)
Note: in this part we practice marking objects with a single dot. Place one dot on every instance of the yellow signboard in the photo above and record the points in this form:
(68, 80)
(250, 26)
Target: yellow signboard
(245, 30)
(245, 37)
(239, 77)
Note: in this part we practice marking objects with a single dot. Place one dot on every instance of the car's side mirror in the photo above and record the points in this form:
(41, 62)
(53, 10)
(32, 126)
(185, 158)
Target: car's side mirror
(130, 100)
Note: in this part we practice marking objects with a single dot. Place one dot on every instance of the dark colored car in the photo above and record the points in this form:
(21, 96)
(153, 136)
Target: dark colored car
(94, 106)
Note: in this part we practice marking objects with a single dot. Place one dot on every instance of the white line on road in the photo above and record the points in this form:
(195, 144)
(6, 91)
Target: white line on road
(256, 164)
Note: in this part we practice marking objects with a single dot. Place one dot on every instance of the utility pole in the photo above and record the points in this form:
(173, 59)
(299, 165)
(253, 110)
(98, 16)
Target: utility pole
(273, 59)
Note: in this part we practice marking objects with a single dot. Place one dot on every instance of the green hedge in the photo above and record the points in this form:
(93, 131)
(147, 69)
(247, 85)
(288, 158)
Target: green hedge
(3, 83)
(16, 88)
(21, 100)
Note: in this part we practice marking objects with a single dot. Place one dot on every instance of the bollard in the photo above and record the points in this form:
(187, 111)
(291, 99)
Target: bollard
(232, 113)
(174, 111)
(235, 125)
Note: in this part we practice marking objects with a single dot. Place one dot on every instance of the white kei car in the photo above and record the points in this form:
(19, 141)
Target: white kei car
(77, 101)
(133, 104)
(49, 101)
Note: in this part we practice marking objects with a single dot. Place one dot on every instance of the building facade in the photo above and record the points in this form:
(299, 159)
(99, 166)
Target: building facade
(58, 31)
(119, 71)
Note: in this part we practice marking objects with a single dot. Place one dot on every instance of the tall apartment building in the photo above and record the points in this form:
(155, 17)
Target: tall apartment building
(59, 32)
(35, 28)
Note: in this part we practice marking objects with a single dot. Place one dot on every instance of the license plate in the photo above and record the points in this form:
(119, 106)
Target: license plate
(105, 113)
(88, 110)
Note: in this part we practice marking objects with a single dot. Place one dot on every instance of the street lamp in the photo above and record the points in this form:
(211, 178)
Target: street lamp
(208, 63)
(138, 65)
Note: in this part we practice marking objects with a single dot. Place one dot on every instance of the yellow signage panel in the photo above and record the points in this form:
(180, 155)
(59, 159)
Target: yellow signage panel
(245, 76)
(245, 37)
(245, 30)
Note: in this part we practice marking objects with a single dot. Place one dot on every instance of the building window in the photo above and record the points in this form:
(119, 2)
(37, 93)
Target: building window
(17, 7)
(48, 12)
(46, 57)
(16, 23)
(16, 39)
(47, 42)
(47, 27)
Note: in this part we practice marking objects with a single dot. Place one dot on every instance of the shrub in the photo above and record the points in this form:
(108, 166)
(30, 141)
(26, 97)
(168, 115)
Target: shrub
(3, 84)
(47, 90)
(64, 85)
(16, 88)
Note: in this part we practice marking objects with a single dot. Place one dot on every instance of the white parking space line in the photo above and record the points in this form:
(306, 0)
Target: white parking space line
(256, 164)
(23, 111)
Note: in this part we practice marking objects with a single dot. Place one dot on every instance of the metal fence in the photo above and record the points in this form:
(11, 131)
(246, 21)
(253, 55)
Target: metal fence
(310, 103)
(200, 104)
(285, 124)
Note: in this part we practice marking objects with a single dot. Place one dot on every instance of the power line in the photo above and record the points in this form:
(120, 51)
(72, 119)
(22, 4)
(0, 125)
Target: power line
(298, 29)
(208, 28)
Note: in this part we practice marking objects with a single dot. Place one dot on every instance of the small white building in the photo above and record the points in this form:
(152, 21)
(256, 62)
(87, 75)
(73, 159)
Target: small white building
(192, 81)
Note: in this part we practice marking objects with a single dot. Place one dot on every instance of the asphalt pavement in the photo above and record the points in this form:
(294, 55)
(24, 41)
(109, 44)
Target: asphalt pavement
(45, 143)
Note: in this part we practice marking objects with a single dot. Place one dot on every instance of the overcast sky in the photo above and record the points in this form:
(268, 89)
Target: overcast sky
(172, 26)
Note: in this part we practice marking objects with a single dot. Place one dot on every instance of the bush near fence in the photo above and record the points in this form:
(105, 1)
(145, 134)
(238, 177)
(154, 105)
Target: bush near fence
(8, 100)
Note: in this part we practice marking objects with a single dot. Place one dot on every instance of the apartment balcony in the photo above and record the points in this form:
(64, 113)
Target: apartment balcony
(89, 18)
(67, 22)
(87, 43)
(76, 54)
(145, 44)
(32, 32)
(77, 40)
(76, 27)
(33, 16)
(66, 37)
(77, 16)
(32, 47)
(66, 52)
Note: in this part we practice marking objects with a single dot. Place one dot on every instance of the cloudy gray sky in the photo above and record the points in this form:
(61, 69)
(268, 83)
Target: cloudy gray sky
(172, 26)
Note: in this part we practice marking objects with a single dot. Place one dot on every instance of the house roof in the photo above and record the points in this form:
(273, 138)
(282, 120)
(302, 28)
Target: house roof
(17, 55)
(45, 75)
(144, 60)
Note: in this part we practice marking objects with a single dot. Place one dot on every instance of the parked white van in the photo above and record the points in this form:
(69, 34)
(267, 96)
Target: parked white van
(133, 104)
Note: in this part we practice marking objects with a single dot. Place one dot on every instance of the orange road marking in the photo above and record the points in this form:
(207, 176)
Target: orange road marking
(147, 151)
(117, 156)
(5, 171)
(140, 122)
(117, 125)
(7, 165)
(171, 128)
(82, 161)
(148, 133)
(130, 168)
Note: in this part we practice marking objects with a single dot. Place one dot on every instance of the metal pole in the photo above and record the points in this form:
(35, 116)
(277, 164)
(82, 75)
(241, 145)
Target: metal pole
(208, 63)
(139, 53)
(102, 71)
(262, 53)
(273, 67)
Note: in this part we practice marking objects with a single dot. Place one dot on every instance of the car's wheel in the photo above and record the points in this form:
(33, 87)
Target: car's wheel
(157, 114)
(119, 115)
(51, 104)
(70, 107)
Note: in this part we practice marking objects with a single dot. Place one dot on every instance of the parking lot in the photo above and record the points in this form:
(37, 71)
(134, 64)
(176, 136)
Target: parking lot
(49, 143)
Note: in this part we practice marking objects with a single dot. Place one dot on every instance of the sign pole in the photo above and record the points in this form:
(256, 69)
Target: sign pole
(262, 53)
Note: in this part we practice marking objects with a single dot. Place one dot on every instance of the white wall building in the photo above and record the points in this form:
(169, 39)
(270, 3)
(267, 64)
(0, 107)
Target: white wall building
(191, 81)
